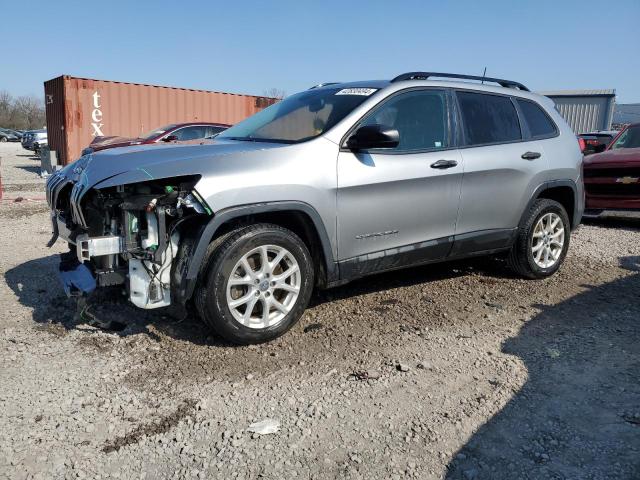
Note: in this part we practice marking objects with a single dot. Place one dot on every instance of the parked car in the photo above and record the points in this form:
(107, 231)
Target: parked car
(40, 140)
(596, 142)
(33, 139)
(17, 133)
(26, 138)
(178, 132)
(612, 178)
(7, 135)
(326, 186)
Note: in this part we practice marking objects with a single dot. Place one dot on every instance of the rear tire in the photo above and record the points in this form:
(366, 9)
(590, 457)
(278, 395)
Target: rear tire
(246, 299)
(542, 242)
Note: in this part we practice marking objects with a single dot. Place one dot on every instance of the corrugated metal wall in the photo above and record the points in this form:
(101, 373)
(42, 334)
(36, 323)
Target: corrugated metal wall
(586, 114)
(54, 100)
(82, 108)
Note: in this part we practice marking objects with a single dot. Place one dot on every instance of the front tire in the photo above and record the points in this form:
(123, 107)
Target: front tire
(256, 283)
(542, 242)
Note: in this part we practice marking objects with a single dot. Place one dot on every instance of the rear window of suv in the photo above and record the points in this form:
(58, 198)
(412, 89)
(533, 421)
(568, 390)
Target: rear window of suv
(539, 123)
(488, 118)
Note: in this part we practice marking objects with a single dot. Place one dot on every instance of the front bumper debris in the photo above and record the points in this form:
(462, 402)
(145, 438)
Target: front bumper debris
(77, 280)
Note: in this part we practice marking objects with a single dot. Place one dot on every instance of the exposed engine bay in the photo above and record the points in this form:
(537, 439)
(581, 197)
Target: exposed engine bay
(126, 235)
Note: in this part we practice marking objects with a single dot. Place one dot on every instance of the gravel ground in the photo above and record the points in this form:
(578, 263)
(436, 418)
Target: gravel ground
(454, 371)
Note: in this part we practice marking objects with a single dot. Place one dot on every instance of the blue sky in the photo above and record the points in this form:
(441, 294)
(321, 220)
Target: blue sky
(251, 46)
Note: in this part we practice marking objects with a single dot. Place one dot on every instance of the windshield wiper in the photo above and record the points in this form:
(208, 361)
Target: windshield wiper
(241, 139)
(252, 139)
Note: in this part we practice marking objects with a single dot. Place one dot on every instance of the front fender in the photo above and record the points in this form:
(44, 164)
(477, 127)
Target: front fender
(188, 282)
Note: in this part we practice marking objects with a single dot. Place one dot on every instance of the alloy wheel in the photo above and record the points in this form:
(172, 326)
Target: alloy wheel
(263, 286)
(548, 240)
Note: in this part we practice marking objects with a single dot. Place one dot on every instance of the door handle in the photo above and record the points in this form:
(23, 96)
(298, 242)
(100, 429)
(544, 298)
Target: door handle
(531, 155)
(442, 164)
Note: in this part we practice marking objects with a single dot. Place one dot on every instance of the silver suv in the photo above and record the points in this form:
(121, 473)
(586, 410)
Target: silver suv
(331, 184)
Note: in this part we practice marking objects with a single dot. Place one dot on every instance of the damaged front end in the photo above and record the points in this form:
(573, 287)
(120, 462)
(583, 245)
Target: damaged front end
(124, 235)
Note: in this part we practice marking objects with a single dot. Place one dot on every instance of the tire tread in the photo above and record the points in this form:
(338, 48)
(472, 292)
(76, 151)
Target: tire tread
(216, 254)
(518, 259)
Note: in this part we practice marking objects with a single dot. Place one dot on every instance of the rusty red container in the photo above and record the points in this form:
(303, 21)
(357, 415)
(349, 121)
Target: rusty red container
(79, 109)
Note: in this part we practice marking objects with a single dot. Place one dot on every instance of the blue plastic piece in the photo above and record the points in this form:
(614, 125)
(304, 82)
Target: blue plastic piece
(77, 281)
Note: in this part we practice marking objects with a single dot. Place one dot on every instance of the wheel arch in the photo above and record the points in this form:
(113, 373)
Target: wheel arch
(565, 192)
(299, 217)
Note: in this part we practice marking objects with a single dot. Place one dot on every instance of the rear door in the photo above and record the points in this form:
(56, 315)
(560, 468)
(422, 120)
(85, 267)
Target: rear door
(502, 167)
(399, 205)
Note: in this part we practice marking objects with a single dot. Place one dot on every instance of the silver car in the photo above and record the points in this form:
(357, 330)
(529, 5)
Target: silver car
(329, 185)
(34, 139)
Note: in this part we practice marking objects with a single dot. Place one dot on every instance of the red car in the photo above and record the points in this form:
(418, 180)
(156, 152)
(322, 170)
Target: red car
(612, 178)
(178, 132)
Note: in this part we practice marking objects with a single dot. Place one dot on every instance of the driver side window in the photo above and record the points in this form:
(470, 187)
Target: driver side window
(420, 116)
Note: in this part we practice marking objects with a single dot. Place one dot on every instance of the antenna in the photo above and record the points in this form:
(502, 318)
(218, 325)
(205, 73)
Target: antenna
(484, 74)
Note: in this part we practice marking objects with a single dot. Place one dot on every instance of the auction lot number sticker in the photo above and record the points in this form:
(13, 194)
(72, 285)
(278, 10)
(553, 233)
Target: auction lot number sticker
(365, 92)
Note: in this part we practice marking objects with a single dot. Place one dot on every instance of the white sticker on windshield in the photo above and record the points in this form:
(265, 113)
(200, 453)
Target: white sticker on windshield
(357, 91)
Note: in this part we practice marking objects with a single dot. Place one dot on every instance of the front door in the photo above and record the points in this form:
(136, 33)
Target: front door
(398, 206)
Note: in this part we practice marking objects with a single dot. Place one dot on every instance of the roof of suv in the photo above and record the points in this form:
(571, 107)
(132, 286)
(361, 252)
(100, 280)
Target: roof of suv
(458, 81)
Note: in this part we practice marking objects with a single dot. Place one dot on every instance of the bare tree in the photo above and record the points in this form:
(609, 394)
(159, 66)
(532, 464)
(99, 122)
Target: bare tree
(31, 111)
(26, 112)
(275, 93)
(6, 105)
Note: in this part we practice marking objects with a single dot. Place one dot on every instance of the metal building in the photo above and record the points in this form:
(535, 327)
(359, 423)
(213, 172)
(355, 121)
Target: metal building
(79, 109)
(585, 110)
(627, 113)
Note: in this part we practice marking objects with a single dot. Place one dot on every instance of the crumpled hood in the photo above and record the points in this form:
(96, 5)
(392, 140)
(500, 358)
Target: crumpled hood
(120, 166)
(624, 156)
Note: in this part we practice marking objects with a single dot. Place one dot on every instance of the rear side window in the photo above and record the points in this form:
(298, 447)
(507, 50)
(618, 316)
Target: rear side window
(488, 118)
(539, 123)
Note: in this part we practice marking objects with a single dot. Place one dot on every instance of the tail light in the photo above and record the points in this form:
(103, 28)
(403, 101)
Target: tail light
(582, 144)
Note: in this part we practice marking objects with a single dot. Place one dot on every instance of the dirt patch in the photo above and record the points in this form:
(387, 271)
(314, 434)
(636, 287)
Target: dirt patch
(24, 187)
(161, 425)
(55, 329)
(97, 342)
(10, 210)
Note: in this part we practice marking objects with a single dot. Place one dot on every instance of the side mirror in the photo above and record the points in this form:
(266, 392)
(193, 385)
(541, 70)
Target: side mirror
(170, 138)
(373, 136)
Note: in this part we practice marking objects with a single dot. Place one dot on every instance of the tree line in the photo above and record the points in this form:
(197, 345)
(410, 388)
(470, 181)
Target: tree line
(21, 113)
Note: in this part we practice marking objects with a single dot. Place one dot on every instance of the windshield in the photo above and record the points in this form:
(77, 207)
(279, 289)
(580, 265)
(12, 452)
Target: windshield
(157, 131)
(630, 138)
(300, 117)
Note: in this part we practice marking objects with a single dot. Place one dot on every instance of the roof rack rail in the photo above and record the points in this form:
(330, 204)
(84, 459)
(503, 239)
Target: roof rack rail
(426, 75)
(324, 85)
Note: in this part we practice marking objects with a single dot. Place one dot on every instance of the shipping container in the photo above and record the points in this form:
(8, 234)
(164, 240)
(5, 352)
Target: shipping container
(585, 110)
(79, 109)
